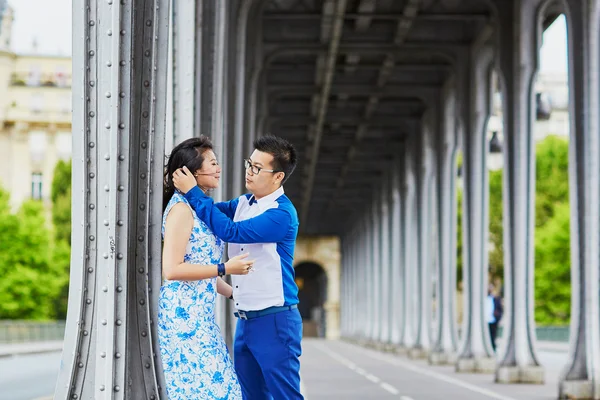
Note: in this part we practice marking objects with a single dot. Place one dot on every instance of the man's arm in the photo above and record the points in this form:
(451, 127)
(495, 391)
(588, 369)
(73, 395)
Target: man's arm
(228, 207)
(268, 227)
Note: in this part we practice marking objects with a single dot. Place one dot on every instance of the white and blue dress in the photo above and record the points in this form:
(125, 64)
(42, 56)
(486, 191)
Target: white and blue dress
(194, 355)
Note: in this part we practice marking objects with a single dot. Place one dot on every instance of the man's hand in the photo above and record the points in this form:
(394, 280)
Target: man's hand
(184, 180)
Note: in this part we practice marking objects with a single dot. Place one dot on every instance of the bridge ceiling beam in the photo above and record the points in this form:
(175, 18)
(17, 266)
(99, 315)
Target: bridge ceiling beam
(332, 53)
(402, 28)
(364, 14)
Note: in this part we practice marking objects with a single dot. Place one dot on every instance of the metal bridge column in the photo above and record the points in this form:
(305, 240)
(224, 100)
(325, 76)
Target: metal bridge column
(409, 256)
(364, 273)
(424, 241)
(581, 377)
(376, 265)
(385, 262)
(120, 57)
(517, 64)
(445, 343)
(474, 86)
(397, 299)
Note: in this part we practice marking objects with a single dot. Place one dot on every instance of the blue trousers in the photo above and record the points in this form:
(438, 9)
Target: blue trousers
(266, 356)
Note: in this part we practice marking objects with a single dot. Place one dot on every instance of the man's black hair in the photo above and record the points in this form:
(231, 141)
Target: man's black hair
(283, 152)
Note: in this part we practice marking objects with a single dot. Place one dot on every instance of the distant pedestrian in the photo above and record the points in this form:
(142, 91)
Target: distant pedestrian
(493, 312)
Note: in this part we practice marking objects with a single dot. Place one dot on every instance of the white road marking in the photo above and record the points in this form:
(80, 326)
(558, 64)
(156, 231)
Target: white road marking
(405, 398)
(302, 387)
(393, 390)
(353, 367)
(435, 375)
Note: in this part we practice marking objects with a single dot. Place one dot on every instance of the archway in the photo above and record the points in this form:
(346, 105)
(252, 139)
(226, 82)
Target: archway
(312, 293)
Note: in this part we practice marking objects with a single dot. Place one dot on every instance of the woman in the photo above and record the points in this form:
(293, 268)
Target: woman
(195, 359)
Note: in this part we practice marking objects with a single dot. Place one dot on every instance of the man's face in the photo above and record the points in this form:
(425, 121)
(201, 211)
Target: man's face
(264, 182)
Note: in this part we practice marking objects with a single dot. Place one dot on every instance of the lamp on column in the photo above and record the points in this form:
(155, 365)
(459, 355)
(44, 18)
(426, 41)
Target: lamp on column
(495, 144)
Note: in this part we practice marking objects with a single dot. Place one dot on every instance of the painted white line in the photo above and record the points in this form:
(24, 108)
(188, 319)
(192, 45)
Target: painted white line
(392, 390)
(353, 367)
(405, 398)
(435, 375)
(302, 387)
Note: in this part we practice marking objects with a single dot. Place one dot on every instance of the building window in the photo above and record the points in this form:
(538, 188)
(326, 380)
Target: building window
(37, 103)
(35, 75)
(36, 186)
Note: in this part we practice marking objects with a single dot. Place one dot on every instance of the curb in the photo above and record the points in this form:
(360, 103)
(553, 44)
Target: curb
(15, 349)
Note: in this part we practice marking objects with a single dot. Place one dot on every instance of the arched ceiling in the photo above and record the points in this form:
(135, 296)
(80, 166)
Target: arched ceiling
(345, 81)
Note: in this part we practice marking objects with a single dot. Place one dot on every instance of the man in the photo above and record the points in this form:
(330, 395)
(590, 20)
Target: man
(264, 224)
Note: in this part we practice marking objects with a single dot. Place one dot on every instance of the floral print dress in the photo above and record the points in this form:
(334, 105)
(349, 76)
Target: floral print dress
(194, 355)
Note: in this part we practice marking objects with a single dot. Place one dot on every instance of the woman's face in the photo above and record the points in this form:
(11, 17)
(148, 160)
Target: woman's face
(209, 175)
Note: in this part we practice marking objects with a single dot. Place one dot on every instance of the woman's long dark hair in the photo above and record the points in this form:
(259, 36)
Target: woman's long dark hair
(190, 153)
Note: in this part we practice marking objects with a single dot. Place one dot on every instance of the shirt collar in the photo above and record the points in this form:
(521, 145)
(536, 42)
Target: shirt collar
(267, 199)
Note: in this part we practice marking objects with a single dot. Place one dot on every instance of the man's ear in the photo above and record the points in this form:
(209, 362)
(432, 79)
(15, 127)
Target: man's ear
(281, 177)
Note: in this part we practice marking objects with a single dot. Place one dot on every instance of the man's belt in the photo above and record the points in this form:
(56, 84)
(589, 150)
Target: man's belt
(241, 314)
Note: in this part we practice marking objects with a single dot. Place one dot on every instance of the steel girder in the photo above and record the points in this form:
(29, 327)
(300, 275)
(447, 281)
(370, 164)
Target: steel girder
(119, 77)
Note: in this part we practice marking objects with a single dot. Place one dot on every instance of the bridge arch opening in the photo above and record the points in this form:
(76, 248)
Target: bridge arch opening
(311, 279)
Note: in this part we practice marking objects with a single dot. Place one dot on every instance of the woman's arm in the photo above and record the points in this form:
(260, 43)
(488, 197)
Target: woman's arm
(178, 228)
(224, 288)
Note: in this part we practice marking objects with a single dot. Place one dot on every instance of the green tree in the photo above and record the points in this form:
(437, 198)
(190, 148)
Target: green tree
(61, 201)
(496, 255)
(459, 238)
(61, 219)
(30, 280)
(552, 269)
(552, 243)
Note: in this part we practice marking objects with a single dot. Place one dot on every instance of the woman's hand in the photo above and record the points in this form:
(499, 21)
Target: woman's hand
(238, 265)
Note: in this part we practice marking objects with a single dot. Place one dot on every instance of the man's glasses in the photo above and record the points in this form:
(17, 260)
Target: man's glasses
(254, 169)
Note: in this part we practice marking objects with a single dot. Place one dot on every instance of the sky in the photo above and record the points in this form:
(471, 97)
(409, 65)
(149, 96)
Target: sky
(49, 22)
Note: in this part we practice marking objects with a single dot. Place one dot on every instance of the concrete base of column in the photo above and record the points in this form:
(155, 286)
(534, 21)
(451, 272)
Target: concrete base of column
(401, 350)
(529, 374)
(481, 365)
(579, 390)
(442, 358)
(417, 353)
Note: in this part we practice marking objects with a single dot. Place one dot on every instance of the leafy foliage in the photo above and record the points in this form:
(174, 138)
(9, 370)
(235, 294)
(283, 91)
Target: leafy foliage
(459, 238)
(61, 201)
(34, 259)
(552, 231)
(30, 280)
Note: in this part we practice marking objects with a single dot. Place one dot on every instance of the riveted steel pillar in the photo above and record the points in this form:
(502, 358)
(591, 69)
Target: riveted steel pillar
(581, 377)
(424, 169)
(369, 271)
(517, 64)
(186, 40)
(397, 299)
(355, 282)
(119, 75)
(445, 342)
(364, 272)
(343, 284)
(246, 23)
(385, 262)
(353, 279)
(376, 266)
(409, 234)
(474, 83)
